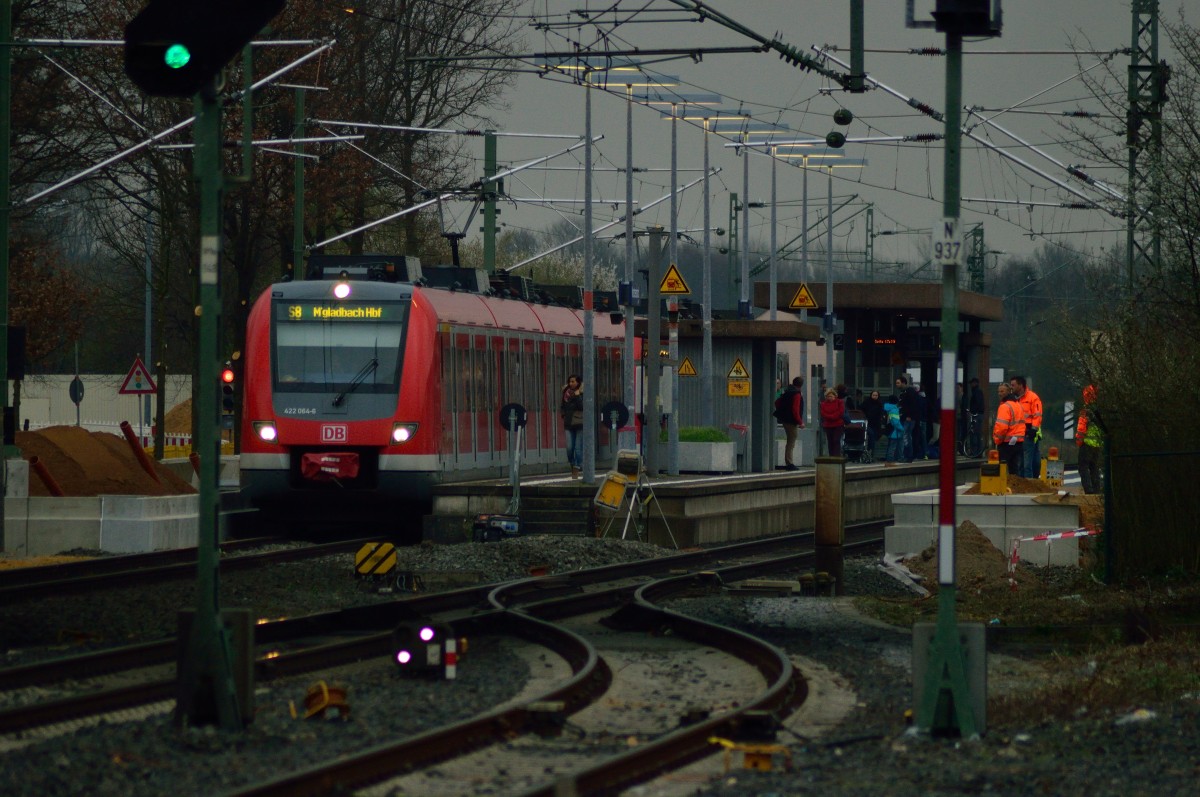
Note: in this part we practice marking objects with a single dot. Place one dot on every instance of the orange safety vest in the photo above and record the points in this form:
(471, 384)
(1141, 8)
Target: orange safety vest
(1010, 423)
(1032, 404)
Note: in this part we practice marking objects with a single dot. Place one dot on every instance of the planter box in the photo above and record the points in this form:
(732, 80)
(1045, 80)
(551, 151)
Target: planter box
(708, 457)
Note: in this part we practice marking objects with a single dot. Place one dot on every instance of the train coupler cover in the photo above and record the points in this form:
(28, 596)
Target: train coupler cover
(327, 466)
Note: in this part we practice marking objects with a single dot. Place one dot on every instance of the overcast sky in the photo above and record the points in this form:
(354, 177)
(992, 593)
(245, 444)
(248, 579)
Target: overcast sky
(902, 181)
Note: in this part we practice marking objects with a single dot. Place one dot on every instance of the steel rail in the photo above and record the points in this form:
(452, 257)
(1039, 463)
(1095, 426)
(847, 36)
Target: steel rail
(551, 597)
(111, 564)
(123, 572)
(385, 615)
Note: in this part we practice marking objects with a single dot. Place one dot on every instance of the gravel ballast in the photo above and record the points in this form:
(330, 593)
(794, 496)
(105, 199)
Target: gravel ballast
(868, 752)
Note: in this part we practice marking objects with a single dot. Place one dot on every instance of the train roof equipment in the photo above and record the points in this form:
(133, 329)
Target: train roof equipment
(369, 267)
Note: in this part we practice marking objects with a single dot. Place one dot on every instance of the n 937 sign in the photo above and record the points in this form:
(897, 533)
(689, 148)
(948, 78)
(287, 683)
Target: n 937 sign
(948, 244)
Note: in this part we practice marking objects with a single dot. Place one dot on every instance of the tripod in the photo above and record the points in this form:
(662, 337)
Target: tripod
(621, 492)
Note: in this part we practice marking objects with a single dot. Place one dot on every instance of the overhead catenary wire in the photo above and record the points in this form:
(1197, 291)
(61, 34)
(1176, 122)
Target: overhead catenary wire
(170, 131)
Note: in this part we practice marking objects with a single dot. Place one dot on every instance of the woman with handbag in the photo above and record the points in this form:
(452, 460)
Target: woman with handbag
(833, 421)
(572, 414)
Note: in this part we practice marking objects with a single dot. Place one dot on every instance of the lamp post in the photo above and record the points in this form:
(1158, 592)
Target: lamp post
(746, 128)
(708, 117)
(675, 100)
(626, 69)
(829, 160)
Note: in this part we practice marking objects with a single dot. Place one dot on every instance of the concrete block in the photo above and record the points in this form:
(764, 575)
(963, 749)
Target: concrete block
(16, 482)
(1001, 518)
(54, 525)
(134, 523)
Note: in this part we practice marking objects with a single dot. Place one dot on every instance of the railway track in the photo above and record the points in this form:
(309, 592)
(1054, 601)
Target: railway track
(283, 652)
(137, 569)
(528, 608)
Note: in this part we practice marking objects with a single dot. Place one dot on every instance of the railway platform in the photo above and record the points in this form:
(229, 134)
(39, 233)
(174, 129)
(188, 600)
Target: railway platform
(682, 511)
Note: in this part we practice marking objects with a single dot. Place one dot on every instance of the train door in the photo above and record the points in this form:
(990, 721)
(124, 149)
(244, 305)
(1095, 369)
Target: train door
(513, 387)
(464, 391)
(547, 400)
(556, 377)
(533, 377)
(450, 398)
(480, 403)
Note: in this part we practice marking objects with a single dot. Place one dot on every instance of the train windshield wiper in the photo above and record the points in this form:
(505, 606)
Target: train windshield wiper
(358, 379)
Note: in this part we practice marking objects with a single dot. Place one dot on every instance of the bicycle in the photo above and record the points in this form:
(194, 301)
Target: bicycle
(971, 444)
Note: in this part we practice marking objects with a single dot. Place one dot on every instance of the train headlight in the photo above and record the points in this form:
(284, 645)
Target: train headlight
(266, 431)
(403, 432)
(341, 290)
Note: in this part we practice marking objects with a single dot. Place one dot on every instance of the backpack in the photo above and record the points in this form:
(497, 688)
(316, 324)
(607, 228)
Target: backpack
(782, 413)
(783, 406)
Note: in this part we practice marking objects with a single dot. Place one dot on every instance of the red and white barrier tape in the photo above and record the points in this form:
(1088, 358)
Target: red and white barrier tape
(1047, 537)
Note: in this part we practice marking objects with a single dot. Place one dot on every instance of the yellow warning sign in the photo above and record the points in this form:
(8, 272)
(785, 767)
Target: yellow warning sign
(737, 387)
(673, 282)
(375, 559)
(803, 300)
(738, 371)
(687, 369)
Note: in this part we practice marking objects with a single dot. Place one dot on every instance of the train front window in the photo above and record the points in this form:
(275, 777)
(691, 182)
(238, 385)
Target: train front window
(338, 347)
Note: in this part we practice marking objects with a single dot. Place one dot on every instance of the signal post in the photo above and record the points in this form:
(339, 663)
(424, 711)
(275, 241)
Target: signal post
(178, 48)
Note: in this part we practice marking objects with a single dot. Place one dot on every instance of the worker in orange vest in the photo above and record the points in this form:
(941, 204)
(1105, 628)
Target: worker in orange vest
(1009, 432)
(1089, 438)
(1031, 464)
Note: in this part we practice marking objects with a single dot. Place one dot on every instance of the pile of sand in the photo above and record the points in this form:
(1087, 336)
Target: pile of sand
(1020, 486)
(87, 463)
(178, 419)
(979, 565)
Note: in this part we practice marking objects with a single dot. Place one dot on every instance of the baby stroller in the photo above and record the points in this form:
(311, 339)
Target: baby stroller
(854, 438)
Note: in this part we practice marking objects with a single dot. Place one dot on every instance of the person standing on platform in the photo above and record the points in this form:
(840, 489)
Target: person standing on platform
(833, 421)
(1030, 402)
(789, 411)
(872, 407)
(909, 413)
(1090, 439)
(572, 415)
(895, 431)
(1009, 431)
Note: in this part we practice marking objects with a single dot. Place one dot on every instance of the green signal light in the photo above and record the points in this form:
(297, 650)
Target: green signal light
(177, 56)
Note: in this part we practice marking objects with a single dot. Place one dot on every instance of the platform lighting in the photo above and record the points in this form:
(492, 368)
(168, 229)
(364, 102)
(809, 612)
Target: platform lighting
(692, 114)
(623, 71)
(652, 97)
(748, 127)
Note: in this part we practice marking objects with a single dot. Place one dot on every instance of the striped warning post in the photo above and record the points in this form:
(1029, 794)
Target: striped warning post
(450, 659)
(375, 559)
(1049, 536)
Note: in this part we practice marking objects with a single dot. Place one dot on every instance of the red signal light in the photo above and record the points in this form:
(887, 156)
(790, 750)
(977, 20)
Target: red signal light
(227, 376)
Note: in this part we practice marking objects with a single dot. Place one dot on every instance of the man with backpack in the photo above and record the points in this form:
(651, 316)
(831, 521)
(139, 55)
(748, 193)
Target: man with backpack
(789, 411)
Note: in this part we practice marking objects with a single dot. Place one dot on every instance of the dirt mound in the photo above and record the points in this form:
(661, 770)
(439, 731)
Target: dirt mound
(979, 565)
(178, 419)
(93, 463)
(1020, 486)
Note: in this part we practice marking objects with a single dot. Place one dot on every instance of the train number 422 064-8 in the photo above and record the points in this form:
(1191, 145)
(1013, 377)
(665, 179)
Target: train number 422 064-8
(300, 411)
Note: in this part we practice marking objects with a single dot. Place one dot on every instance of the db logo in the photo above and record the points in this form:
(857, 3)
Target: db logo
(334, 433)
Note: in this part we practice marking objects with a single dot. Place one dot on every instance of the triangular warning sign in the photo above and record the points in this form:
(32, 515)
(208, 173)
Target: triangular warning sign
(673, 282)
(738, 371)
(687, 369)
(137, 381)
(803, 300)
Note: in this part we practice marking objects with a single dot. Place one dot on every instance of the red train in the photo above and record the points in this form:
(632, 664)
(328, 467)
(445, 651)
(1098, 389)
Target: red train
(362, 391)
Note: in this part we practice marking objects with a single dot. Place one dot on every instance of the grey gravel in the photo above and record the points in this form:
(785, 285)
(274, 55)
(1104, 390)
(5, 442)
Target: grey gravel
(868, 753)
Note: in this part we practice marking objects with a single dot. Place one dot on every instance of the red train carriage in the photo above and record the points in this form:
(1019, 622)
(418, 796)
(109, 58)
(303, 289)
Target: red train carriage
(361, 395)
